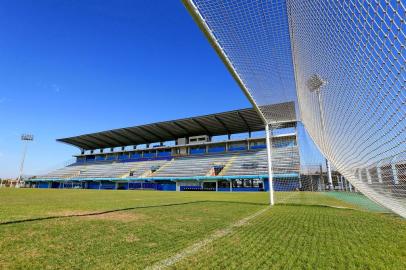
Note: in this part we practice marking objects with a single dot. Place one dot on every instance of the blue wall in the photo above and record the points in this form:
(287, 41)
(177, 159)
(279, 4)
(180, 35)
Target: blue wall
(217, 149)
(283, 184)
(135, 155)
(101, 157)
(194, 151)
(123, 157)
(149, 155)
(93, 185)
(108, 185)
(166, 187)
(237, 148)
(90, 158)
(55, 185)
(164, 153)
(43, 185)
(259, 146)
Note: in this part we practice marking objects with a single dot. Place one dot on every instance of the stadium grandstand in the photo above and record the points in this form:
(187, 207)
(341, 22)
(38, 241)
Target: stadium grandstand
(182, 155)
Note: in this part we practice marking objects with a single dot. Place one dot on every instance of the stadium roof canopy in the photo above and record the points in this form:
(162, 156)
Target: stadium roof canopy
(231, 122)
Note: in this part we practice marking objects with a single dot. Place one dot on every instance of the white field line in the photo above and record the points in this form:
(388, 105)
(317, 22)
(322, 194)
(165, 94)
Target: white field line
(193, 249)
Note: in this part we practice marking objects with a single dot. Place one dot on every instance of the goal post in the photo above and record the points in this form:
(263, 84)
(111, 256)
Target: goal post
(268, 131)
(279, 50)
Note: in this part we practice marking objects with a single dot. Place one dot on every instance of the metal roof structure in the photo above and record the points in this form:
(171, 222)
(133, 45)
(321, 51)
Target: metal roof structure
(231, 122)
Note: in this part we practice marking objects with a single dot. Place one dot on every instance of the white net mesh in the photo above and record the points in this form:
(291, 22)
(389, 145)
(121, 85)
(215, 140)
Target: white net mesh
(349, 61)
(252, 37)
(349, 65)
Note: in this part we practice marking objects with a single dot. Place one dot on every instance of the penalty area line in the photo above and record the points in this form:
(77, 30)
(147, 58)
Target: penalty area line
(193, 249)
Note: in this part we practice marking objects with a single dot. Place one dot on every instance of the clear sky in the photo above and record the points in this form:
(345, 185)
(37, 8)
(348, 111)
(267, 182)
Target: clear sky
(73, 67)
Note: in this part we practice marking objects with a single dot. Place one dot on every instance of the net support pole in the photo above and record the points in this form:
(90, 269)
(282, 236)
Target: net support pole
(379, 172)
(395, 174)
(329, 176)
(268, 131)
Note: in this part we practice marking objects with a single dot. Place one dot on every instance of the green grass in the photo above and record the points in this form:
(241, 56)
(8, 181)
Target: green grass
(309, 237)
(70, 229)
(357, 199)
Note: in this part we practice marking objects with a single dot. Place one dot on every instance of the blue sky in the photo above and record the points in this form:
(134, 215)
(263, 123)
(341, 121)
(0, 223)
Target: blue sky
(73, 67)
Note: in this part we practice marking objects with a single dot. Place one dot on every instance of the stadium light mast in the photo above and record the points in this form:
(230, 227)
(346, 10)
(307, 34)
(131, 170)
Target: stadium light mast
(315, 84)
(25, 138)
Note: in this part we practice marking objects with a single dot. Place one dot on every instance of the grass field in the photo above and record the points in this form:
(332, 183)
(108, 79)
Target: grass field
(92, 229)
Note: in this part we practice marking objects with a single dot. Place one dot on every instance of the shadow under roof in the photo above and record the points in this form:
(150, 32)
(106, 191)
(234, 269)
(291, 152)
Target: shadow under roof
(231, 122)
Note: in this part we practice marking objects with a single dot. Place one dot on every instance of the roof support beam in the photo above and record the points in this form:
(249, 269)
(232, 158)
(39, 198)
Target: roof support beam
(244, 121)
(122, 136)
(223, 124)
(137, 135)
(111, 139)
(166, 130)
(151, 133)
(86, 146)
(92, 144)
(181, 127)
(202, 126)
(119, 142)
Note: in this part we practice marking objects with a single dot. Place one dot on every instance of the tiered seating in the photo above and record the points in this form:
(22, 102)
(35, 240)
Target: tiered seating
(66, 172)
(192, 165)
(104, 170)
(248, 163)
(253, 162)
(119, 170)
(94, 171)
(116, 170)
(285, 160)
(144, 167)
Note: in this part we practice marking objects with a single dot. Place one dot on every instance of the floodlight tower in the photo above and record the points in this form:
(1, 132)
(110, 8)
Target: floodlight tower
(25, 138)
(315, 84)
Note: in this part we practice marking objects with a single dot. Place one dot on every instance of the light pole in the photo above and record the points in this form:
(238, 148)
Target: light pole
(25, 138)
(315, 83)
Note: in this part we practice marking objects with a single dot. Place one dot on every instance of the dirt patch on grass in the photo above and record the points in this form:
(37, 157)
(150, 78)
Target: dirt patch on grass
(114, 216)
(188, 219)
(131, 238)
(32, 253)
(117, 216)
(4, 265)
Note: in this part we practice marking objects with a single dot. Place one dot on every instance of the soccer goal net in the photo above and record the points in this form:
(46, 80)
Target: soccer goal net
(344, 64)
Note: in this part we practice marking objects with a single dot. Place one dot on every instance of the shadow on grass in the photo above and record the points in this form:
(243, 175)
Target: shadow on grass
(120, 210)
